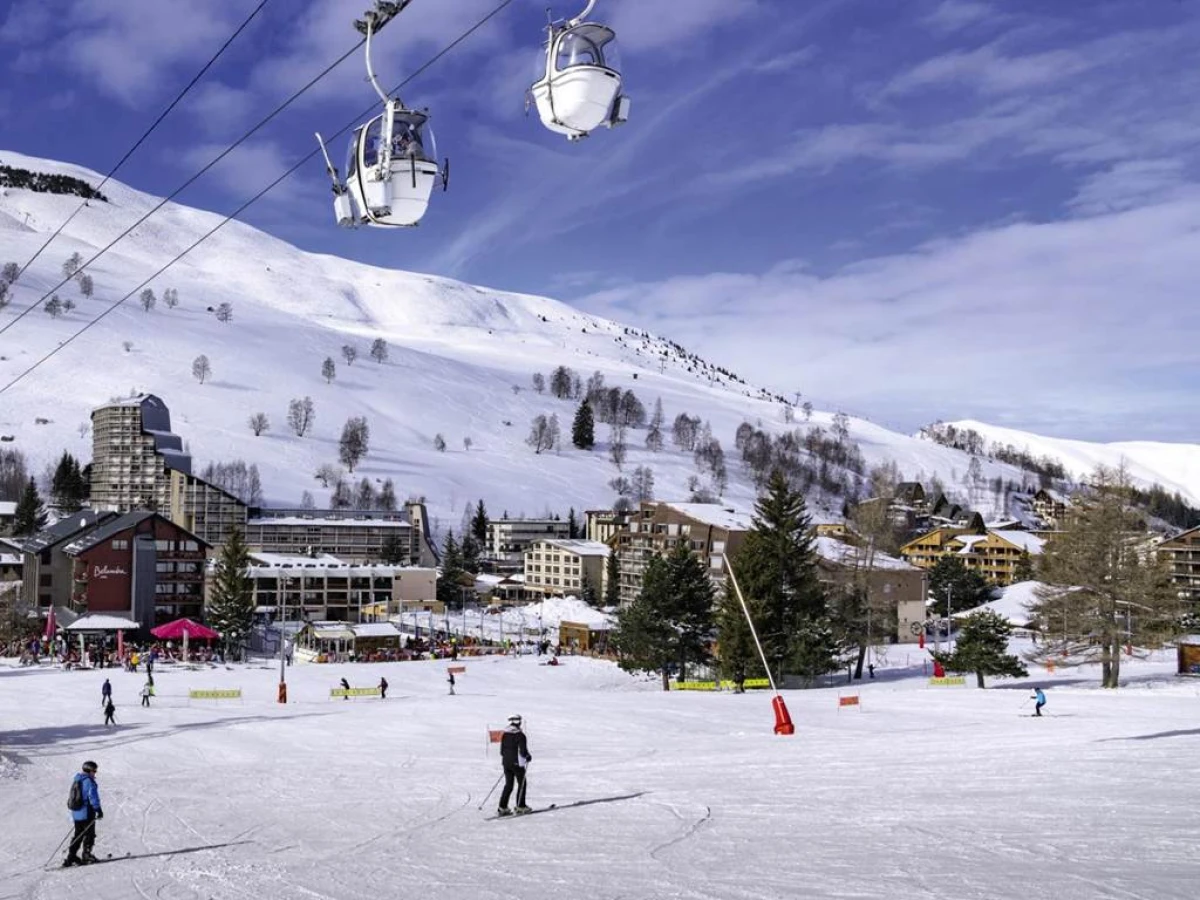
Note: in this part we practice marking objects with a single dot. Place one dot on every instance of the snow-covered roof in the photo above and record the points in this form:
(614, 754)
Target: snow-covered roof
(969, 541)
(298, 561)
(848, 555)
(342, 522)
(375, 629)
(1012, 604)
(1022, 539)
(579, 547)
(99, 622)
(10, 559)
(8, 507)
(716, 514)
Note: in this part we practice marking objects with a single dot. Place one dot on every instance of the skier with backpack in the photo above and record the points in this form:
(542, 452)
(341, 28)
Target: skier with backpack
(514, 755)
(84, 803)
(105, 693)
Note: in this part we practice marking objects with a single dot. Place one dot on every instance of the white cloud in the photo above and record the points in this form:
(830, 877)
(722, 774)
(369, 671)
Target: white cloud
(674, 26)
(990, 71)
(1091, 321)
(954, 15)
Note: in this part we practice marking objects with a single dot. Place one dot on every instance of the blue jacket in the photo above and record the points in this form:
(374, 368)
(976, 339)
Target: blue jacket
(1039, 696)
(91, 798)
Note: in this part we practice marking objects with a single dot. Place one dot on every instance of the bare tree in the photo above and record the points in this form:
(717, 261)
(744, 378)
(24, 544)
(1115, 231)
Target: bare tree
(128, 345)
(258, 423)
(68, 305)
(328, 474)
(642, 484)
(539, 382)
(171, 298)
(3, 294)
(147, 299)
(11, 272)
(54, 307)
(439, 443)
(328, 370)
(807, 409)
(840, 426)
(201, 369)
(539, 434)
(379, 350)
(364, 495)
(307, 501)
(355, 441)
(86, 286)
(387, 495)
(617, 448)
(467, 442)
(225, 312)
(300, 416)
(349, 353)
(71, 266)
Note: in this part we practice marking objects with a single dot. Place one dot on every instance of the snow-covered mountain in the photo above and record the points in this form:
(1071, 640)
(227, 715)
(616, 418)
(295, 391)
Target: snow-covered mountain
(457, 354)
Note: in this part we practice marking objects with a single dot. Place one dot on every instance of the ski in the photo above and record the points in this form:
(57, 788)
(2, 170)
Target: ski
(532, 812)
(107, 858)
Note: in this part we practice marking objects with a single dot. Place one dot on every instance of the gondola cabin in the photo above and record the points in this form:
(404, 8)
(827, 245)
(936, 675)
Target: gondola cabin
(580, 90)
(391, 169)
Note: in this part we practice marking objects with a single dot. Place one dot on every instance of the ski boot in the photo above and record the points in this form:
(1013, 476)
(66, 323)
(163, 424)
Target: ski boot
(523, 810)
(504, 811)
(70, 861)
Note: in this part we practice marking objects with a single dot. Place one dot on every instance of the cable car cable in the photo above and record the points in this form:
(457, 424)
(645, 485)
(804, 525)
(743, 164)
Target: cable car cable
(304, 161)
(290, 100)
(145, 134)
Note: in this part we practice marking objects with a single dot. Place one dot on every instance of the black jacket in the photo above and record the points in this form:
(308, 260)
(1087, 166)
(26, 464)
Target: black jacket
(514, 752)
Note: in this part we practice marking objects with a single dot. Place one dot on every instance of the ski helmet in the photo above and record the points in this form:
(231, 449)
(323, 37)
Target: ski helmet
(90, 767)
(514, 720)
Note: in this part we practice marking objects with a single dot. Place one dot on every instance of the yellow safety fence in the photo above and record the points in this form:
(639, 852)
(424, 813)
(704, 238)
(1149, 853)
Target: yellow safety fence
(353, 692)
(948, 681)
(749, 683)
(226, 694)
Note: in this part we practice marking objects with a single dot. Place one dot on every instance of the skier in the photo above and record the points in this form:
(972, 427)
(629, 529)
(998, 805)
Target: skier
(105, 692)
(346, 685)
(383, 686)
(1041, 701)
(85, 818)
(146, 693)
(451, 680)
(109, 709)
(514, 754)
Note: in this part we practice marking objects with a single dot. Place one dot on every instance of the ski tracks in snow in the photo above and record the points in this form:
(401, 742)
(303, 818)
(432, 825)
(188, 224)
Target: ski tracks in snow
(690, 829)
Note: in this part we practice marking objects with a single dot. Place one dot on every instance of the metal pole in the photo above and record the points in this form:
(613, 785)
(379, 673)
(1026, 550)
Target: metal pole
(750, 622)
(281, 585)
(949, 589)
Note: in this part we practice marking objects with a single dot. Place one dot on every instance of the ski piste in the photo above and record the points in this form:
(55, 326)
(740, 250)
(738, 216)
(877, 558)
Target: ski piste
(107, 858)
(532, 812)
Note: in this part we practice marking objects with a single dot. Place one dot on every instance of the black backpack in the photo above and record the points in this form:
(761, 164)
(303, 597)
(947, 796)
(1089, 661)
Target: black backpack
(75, 798)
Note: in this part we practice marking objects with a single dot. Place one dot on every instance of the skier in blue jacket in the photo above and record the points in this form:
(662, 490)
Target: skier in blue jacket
(85, 818)
(1041, 701)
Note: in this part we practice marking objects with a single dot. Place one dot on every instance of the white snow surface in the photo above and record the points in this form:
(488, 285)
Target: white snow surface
(922, 792)
(1013, 603)
(455, 353)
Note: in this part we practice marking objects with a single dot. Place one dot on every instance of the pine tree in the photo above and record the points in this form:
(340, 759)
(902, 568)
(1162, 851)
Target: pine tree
(982, 648)
(470, 553)
(966, 588)
(573, 531)
(587, 591)
(776, 568)
(231, 608)
(449, 592)
(583, 429)
(393, 550)
(66, 485)
(612, 580)
(30, 514)
(643, 640)
(387, 495)
(739, 660)
(1024, 570)
(479, 524)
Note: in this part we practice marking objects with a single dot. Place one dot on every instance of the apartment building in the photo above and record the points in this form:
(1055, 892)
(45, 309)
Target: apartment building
(604, 524)
(655, 528)
(508, 539)
(1050, 507)
(325, 588)
(141, 566)
(47, 573)
(562, 567)
(355, 536)
(138, 463)
(1182, 553)
(992, 552)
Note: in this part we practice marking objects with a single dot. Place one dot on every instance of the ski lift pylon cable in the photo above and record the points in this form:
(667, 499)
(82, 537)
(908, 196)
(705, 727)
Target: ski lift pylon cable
(500, 7)
(165, 200)
(138, 143)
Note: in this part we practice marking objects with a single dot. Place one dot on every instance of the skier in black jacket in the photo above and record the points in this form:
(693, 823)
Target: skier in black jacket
(514, 754)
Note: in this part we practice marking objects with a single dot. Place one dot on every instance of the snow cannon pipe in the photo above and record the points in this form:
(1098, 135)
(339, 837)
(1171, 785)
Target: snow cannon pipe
(783, 722)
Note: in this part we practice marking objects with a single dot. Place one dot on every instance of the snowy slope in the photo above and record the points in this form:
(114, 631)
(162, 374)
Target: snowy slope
(940, 793)
(456, 351)
(1175, 466)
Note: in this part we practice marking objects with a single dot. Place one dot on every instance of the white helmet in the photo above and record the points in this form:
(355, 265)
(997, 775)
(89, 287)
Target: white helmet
(514, 720)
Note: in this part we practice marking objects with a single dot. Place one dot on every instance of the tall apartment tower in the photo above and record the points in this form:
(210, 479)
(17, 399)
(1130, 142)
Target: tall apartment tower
(133, 454)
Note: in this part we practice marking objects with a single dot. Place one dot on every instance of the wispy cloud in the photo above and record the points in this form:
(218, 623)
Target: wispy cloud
(954, 15)
(673, 26)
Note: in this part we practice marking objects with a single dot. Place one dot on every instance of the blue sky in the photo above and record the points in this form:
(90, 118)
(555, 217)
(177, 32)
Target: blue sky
(907, 210)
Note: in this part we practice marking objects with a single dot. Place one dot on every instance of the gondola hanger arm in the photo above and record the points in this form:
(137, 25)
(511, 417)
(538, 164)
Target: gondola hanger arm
(583, 15)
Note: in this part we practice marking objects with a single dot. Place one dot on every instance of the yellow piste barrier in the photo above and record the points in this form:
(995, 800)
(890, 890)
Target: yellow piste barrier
(948, 681)
(749, 683)
(225, 694)
(353, 692)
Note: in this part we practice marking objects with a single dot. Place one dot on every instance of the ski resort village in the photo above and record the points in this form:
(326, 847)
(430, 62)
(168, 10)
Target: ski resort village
(813, 513)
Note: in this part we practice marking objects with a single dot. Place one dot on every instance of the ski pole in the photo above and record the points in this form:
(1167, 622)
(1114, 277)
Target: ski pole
(59, 847)
(492, 791)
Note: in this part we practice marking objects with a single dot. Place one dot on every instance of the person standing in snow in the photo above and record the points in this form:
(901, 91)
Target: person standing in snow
(109, 710)
(147, 692)
(1041, 701)
(451, 680)
(514, 755)
(346, 686)
(85, 818)
(105, 692)
(383, 686)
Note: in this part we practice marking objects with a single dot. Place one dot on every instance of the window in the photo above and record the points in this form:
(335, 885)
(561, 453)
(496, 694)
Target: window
(120, 545)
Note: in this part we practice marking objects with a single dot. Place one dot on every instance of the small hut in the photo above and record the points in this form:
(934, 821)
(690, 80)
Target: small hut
(584, 637)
